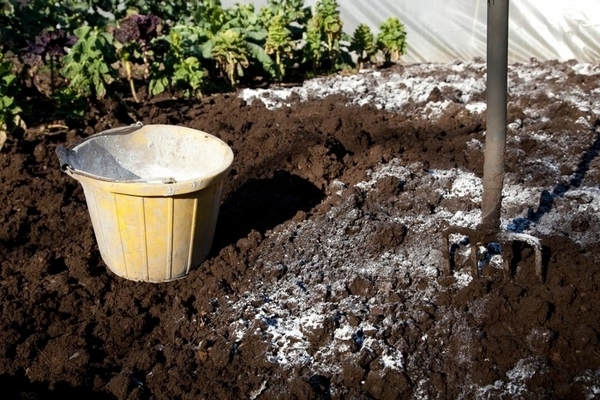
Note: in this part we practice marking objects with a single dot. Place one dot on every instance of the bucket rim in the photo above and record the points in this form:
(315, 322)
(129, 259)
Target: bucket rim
(140, 187)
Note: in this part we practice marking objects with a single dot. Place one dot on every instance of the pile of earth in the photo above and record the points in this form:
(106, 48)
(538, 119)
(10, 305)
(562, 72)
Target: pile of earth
(326, 277)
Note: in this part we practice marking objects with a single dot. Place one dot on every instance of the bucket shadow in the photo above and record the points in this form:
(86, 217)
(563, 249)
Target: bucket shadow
(262, 204)
(547, 198)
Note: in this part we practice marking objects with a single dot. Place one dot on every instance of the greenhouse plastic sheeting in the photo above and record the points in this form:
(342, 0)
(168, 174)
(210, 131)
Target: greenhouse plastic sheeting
(444, 31)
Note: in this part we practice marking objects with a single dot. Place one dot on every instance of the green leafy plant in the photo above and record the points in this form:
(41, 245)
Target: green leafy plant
(177, 63)
(88, 66)
(313, 50)
(209, 17)
(391, 39)
(9, 110)
(363, 43)
(190, 47)
(189, 76)
(161, 69)
(68, 104)
(231, 40)
(242, 19)
(285, 21)
(294, 13)
(254, 34)
(243, 16)
(279, 43)
(323, 39)
(230, 51)
(330, 23)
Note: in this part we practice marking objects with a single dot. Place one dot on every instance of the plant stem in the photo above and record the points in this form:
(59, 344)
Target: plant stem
(278, 61)
(132, 87)
(146, 64)
(130, 79)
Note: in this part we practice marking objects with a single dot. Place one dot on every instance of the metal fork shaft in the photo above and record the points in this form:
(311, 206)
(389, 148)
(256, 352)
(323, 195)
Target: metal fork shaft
(497, 86)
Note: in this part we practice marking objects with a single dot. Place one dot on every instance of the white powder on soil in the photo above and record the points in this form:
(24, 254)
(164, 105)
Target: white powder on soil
(328, 262)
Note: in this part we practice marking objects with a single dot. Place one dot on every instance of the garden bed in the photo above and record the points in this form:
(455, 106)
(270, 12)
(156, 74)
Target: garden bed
(325, 279)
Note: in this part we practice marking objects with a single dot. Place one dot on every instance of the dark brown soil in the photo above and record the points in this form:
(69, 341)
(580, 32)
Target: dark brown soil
(294, 219)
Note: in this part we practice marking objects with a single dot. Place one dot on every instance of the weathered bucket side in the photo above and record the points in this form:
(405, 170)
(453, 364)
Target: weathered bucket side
(153, 231)
(153, 239)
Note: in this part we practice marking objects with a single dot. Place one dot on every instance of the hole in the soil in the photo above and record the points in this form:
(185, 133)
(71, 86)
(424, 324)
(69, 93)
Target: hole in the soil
(551, 311)
(189, 305)
(57, 266)
(150, 323)
(262, 204)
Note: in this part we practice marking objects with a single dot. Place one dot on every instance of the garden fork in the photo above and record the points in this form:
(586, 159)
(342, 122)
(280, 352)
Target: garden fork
(489, 232)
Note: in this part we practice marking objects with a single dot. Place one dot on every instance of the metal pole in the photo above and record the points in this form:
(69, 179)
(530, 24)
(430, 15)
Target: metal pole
(497, 86)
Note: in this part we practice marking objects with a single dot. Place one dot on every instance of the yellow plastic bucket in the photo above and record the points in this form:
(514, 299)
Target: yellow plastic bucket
(153, 194)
